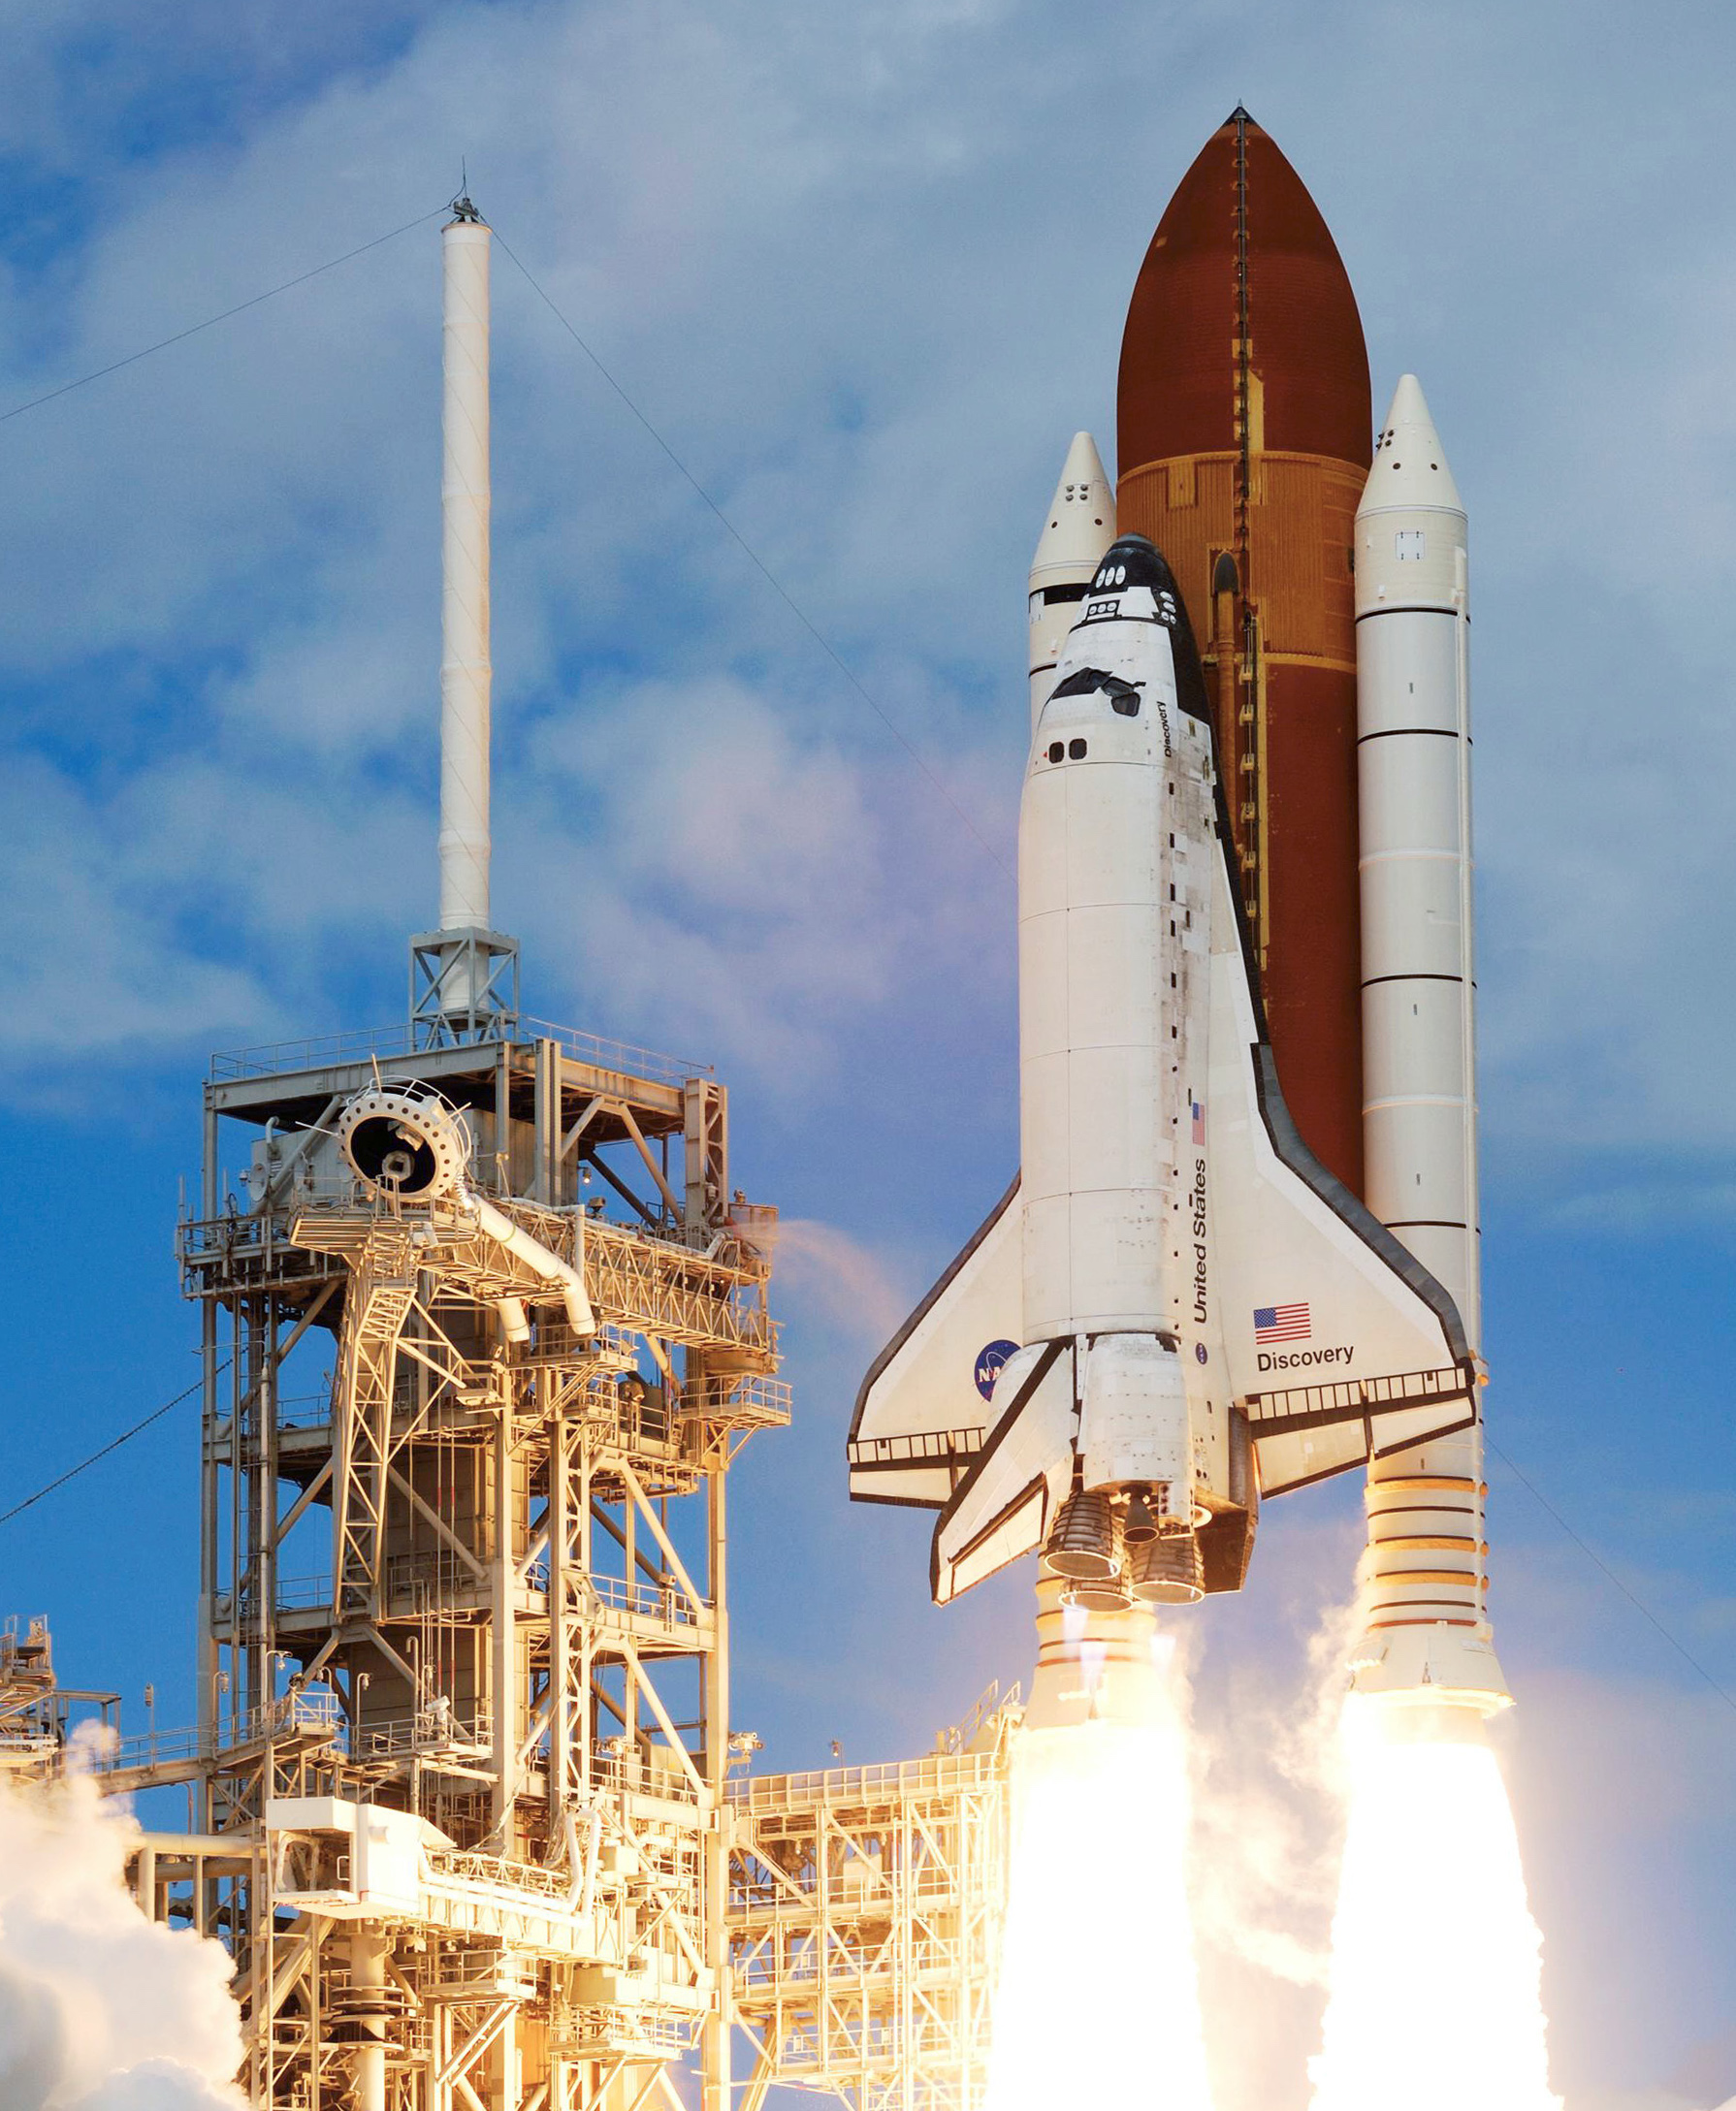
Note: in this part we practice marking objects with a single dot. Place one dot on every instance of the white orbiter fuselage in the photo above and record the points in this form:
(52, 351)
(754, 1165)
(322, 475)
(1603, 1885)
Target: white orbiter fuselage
(1174, 1308)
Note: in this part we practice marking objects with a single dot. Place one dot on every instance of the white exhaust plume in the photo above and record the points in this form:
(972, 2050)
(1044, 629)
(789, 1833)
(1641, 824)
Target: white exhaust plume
(1097, 2000)
(1452, 2014)
(100, 2010)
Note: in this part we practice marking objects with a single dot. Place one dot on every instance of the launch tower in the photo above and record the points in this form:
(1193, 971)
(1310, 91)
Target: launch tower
(484, 1324)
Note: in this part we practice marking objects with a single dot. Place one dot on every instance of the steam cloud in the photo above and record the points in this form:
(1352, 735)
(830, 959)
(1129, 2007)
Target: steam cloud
(100, 2010)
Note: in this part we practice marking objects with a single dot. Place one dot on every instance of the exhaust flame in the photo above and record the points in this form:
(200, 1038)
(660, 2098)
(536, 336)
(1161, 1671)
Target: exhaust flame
(1097, 2001)
(1436, 1969)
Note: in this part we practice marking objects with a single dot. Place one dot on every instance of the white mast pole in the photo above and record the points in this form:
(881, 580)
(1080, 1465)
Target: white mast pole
(466, 673)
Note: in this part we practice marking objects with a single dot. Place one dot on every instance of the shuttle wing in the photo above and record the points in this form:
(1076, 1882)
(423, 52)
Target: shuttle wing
(1004, 1502)
(924, 1413)
(1338, 1342)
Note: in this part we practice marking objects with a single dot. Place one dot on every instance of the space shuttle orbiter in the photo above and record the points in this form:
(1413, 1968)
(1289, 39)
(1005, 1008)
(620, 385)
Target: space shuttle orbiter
(1174, 1308)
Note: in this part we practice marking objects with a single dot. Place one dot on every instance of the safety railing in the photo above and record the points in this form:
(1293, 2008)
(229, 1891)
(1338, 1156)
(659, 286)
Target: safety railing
(322, 1051)
(667, 1604)
(632, 1774)
(315, 1712)
(939, 1773)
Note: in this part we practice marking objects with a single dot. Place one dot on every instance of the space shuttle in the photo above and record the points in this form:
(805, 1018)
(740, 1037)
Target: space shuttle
(1174, 1309)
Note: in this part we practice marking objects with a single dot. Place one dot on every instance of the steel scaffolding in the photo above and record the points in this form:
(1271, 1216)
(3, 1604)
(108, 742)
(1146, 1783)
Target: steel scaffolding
(461, 1794)
(865, 1912)
(463, 1732)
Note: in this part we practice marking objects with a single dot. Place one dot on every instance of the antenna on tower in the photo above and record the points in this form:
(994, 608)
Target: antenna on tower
(463, 976)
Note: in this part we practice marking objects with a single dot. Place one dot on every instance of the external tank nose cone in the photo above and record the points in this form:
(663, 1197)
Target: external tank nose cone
(1410, 466)
(1241, 250)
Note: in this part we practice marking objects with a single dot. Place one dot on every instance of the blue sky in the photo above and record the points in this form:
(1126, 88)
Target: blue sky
(866, 270)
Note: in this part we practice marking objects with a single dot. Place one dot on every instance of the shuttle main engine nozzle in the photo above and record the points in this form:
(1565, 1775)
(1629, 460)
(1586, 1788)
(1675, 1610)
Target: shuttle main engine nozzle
(1086, 1551)
(1083, 1543)
(408, 1147)
(1168, 1571)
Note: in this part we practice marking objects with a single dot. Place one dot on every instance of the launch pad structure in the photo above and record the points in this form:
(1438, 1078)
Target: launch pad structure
(465, 1803)
(484, 1324)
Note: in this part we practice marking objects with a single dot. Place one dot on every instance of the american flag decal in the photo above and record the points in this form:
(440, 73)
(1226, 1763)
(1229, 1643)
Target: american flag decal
(1282, 1322)
(1199, 1122)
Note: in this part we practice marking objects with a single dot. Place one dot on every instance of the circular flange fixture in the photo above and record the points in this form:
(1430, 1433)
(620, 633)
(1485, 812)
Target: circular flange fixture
(408, 1146)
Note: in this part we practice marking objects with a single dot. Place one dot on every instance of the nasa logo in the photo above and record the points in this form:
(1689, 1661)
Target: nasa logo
(989, 1363)
(1199, 1352)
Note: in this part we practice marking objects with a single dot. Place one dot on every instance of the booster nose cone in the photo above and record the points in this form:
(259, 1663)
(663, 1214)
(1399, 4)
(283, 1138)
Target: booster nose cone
(1081, 522)
(1411, 548)
(1077, 530)
(1410, 466)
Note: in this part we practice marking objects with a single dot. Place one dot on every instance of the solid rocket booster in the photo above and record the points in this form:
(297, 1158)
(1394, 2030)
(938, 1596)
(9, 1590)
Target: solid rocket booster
(1078, 528)
(1244, 419)
(1423, 1581)
(1175, 1303)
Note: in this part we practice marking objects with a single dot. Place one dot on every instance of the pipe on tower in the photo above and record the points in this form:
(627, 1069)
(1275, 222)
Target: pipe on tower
(465, 672)
(367, 2011)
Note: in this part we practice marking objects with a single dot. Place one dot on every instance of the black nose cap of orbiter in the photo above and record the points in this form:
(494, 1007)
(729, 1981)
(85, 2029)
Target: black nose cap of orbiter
(1130, 561)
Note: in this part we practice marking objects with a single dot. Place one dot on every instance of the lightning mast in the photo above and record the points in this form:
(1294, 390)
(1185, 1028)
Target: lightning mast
(463, 976)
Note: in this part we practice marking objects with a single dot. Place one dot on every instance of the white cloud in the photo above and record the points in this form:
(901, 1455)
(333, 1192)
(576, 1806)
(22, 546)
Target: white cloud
(866, 274)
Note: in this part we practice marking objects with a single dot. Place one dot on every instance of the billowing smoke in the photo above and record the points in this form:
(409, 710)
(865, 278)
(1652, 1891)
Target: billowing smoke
(100, 2010)
(837, 1278)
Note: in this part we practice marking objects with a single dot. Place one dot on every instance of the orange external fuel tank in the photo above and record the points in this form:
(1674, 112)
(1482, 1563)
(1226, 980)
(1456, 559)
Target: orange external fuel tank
(1245, 438)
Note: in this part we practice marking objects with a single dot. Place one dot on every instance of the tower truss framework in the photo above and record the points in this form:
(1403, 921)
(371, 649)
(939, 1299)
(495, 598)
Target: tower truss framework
(464, 1803)
(459, 1768)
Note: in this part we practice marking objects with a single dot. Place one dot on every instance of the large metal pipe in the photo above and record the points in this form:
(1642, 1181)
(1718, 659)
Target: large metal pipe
(367, 2011)
(558, 1274)
(1423, 1580)
(465, 672)
(408, 1147)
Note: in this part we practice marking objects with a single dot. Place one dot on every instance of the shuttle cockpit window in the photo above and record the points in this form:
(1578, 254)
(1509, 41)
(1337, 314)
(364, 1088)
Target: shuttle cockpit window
(1085, 682)
(1123, 697)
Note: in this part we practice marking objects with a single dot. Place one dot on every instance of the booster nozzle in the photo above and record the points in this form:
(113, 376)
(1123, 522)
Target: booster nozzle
(1431, 1666)
(1093, 1664)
